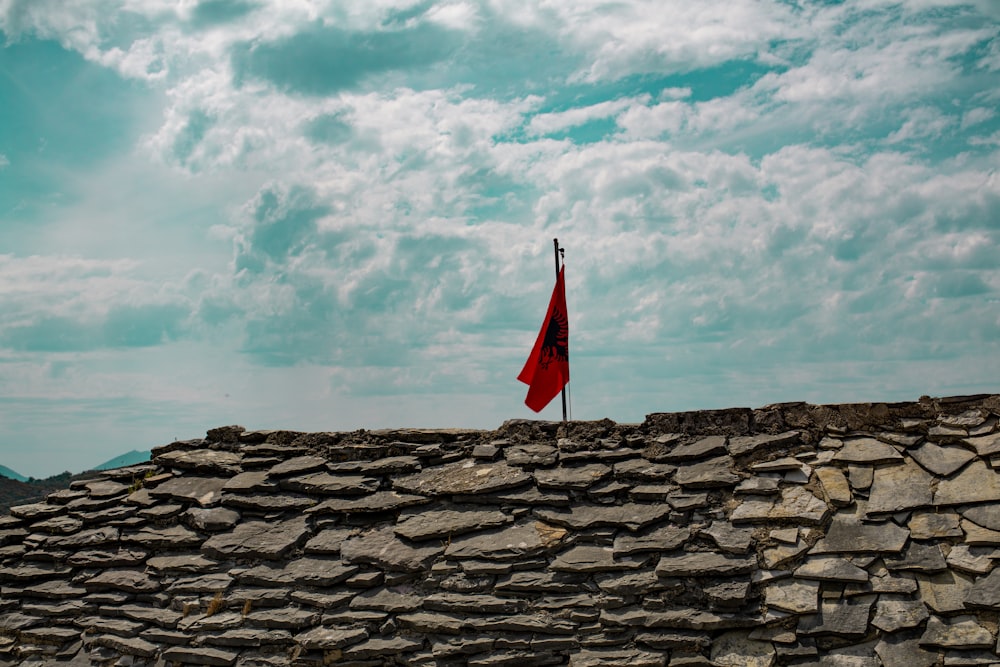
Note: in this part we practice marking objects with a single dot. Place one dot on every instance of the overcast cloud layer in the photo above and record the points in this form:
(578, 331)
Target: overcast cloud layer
(336, 215)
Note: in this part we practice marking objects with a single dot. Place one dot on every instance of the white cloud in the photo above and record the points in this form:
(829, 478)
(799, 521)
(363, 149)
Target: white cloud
(548, 123)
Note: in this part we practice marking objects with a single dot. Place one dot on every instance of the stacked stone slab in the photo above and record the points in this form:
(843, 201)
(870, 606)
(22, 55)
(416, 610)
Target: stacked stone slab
(846, 536)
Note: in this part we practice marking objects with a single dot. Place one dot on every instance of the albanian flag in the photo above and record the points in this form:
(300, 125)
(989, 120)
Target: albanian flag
(547, 370)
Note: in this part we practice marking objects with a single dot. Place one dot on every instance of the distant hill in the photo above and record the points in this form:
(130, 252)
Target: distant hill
(127, 459)
(10, 474)
(14, 492)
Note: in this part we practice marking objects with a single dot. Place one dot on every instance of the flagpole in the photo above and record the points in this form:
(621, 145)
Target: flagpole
(555, 245)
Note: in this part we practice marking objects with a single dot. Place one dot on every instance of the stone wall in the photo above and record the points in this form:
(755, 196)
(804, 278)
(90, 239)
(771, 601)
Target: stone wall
(845, 535)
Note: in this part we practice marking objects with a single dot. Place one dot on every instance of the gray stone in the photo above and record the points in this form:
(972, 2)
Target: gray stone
(307, 571)
(325, 639)
(793, 595)
(206, 491)
(835, 486)
(200, 460)
(58, 524)
(867, 450)
(630, 515)
(84, 538)
(687, 619)
(985, 592)
(735, 649)
(471, 603)
(975, 483)
(918, 557)
(329, 540)
(592, 558)
(395, 646)
(385, 599)
(186, 563)
(958, 632)
(702, 563)
(532, 455)
(760, 486)
(251, 481)
(894, 615)
(795, 504)
(632, 583)
(700, 449)
(579, 478)
(751, 444)
(974, 560)
(643, 470)
(934, 525)
(941, 460)
(860, 477)
(172, 537)
(517, 541)
(779, 555)
(126, 645)
(904, 652)
(258, 539)
(380, 501)
(986, 445)
(203, 584)
(297, 465)
(830, 568)
(976, 535)
(544, 582)
(287, 502)
(664, 538)
(123, 557)
(462, 477)
(325, 483)
(899, 488)
(166, 618)
(383, 548)
(729, 538)
(213, 519)
(844, 618)
(37, 511)
(283, 618)
(200, 655)
(944, 592)
(614, 657)
(390, 465)
(987, 516)
(847, 534)
(122, 580)
(712, 473)
(431, 524)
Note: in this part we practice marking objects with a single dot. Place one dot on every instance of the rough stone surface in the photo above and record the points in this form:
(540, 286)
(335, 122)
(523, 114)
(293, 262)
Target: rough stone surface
(841, 536)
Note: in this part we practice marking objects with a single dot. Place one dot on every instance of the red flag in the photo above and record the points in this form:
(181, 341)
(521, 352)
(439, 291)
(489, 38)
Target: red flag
(547, 370)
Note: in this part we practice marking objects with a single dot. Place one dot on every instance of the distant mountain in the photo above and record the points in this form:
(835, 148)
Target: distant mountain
(10, 474)
(127, 459)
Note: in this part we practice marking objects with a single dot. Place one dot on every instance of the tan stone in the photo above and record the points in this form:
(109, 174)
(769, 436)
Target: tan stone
(835, 486)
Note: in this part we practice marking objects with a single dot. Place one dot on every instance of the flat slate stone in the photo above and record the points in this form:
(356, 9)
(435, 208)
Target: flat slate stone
(704, 448)
(521, 540)
(324, 483)
(206, 491)
(974, 560)
(712, 473)
(578, 478)
(976, 483)
(615, 657)
(867, 450)
(130, 581)
(664, 538)
(258, 539)
(287, 502)
(212, 519)
(283, 618)
(900, 488)
(958, 632)
(200, 655)
(204, 584)
(942, 460)
(735, 649)
(918, 556)
(894, 615)
(835, 486)
(987, 516)
(985, 592)
(184, 563)
(25, 572)
(703, 563)
(172, 537)
(250, 481)
(54, 590)
(307, 571)
(383, 548)
(126, 645)
(429, 524)
(630, 515)
(380, 501)
(844, 618)
(325, 639)
(37, 511)
(200, 460)
(463, 477)
(390, 465)
(297, 465)
(904, 652)
(531, 455)
(830, 568)
(986, 445)
(795, 504)
(687, 619)
(105, 489)
(374, 647)
(847, 534)
(121, 557)
(630, 583)
(793, 595)
(592, 558)
(729, 538)
(743, 445)
(944, 592)
(934, 525)
(642, 470)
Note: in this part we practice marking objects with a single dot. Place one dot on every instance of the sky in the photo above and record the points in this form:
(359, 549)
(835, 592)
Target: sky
(328, 215)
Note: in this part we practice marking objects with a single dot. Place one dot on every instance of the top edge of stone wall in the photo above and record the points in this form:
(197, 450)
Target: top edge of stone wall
(736, 421)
